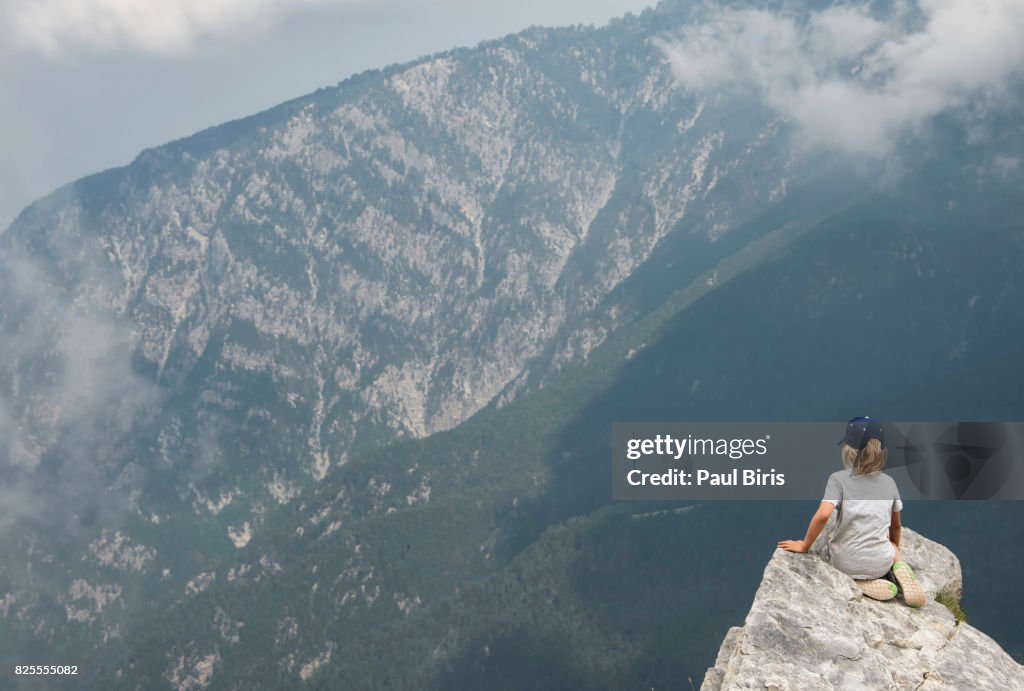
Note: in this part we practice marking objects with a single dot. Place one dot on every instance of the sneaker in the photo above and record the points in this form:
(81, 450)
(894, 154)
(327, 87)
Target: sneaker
(913, 593)
(878, 589)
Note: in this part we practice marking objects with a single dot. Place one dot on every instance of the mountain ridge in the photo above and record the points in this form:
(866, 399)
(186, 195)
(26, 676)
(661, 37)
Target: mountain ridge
(202, 335)
(214, 409)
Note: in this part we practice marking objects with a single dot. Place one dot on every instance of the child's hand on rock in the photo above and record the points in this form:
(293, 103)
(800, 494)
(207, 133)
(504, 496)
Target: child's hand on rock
(798, 546)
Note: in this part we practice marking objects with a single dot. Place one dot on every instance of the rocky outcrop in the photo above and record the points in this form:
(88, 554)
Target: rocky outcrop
(811, 628)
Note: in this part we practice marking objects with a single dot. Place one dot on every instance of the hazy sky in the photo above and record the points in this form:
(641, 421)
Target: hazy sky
(86, 84)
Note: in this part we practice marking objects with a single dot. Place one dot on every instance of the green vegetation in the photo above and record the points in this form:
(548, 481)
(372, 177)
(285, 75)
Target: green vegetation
(520, 572)
(953, 605)
(489, 556)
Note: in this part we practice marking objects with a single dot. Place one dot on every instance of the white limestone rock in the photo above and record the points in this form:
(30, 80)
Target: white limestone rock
(811, 628)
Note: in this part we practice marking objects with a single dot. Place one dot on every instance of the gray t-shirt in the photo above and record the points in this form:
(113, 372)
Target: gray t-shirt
(859, 545)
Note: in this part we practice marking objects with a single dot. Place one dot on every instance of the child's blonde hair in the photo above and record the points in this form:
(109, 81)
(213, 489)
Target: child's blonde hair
(870, 459)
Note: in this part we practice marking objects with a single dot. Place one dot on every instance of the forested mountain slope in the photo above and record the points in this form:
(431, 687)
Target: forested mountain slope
(339, 378)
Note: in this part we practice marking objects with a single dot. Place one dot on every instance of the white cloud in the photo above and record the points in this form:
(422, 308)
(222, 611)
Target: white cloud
(155, 26)
(851, 81)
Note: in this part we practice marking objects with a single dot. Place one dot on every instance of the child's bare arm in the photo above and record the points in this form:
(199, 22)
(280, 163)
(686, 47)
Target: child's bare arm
(895, 528)
(818, 522)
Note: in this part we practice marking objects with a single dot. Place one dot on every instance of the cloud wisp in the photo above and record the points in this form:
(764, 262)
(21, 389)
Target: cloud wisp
(68, 391)
(167, 27)
(851, 80)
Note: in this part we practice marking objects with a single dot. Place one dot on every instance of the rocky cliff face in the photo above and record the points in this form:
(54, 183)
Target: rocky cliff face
(811, 628)
(380, 258)
(201, 335)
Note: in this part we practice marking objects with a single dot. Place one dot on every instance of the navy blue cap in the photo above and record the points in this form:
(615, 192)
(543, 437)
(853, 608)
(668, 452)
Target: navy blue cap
(860, 430)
